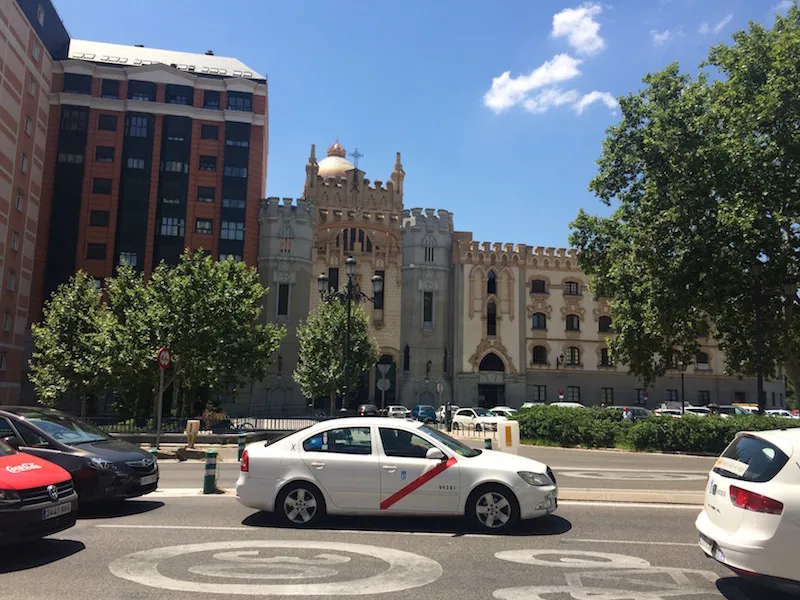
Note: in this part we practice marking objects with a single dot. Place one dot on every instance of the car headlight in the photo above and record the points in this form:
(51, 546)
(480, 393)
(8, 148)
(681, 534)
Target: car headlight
(8, 497)
(101, 463)
(535, 478)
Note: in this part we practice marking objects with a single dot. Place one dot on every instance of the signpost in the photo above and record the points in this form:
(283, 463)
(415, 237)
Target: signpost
(164, 360)
(560, 395)
(383, 384)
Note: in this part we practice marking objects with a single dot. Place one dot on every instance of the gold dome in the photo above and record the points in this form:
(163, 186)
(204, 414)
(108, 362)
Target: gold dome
(336, 165)
(337, 150)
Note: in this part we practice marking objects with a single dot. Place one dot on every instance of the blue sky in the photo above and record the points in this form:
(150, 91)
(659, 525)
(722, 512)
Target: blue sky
(388, 76)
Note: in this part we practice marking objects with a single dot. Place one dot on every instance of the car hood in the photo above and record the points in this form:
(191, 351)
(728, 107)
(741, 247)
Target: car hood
(113, 450)
(22, 471)
(493, 459)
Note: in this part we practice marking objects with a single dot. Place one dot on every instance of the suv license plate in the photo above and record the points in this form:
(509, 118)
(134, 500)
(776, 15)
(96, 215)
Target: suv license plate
(52, 512)
(148, 480)
(706, 544)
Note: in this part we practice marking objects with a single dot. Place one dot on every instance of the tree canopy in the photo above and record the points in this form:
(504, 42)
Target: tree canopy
(703, 172)
(320, 371)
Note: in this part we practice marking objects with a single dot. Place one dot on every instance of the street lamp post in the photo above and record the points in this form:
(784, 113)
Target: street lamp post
(349, 295)
(757, 338)
(683, 389)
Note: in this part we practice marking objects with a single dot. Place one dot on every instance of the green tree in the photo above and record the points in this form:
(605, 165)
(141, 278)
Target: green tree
(321, 336)
(703, 173)
(71, 343)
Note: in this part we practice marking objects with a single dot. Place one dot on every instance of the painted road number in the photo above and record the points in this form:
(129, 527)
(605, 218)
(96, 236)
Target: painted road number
(148, 480)
(56, 511)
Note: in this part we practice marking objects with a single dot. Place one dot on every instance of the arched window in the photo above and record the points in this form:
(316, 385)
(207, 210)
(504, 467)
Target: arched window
(492, 362)
(701, 360)
(406, 358)
(430, 244)
(539, 355)
(538, 286)
(604, 324)
(354, 240)
(491, 319)
(573, 323)
(491, 283)
(539, 321)
(573, 356)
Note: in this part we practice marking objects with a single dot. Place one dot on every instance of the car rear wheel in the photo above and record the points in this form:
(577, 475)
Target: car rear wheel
(493, 508)
(300, 504)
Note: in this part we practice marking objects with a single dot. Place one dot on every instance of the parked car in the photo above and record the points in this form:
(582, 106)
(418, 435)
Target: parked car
(440, 416)
(749, 521)
(367, 410)
(503, 411)
(103, 468)
(476, 419)
(396, 411)
(568, 404)
(782, 413)
(37, 497)
(638, 412)
(732, 410)
(425, 413)
(532, 404)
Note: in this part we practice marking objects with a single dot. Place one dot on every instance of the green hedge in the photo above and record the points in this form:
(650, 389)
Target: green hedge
(605, 428)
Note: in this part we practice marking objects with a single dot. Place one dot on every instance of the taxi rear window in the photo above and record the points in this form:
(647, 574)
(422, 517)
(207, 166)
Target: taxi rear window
(749, 458)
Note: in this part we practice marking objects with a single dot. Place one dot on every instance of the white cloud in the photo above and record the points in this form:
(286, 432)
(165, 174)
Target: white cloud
(507, 91)
(784, 6)
(550, 98)
(706, 28)
(578, 25)
(660, 37)
(587, 100)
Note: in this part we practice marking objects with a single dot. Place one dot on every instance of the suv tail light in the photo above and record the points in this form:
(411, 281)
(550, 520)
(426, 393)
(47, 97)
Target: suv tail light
(245, 468)
(756, 502)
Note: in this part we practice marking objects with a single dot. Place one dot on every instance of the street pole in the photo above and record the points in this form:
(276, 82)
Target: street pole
(759, 365)
(683, 395)
(347, 345)
(159, 406)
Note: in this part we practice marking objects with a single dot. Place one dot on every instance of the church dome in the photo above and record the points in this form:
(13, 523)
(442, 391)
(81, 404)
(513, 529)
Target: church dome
(335, 165)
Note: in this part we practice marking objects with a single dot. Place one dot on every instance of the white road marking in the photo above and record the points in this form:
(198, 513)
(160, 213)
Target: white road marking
(629, 542)
(406, 570)
(589, 470)
(629, 504)
(573, 558)
(634, 475)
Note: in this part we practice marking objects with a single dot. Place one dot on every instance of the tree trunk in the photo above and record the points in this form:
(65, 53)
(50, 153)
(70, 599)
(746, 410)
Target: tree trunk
(333, 403)
(83, 404)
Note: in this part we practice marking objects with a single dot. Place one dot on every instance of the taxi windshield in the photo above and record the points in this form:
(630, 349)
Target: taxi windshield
(5, 449)
(66, 428)
(451, 443)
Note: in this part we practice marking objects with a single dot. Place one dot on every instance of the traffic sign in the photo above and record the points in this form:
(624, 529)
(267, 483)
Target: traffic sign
(439, 387)
(383, 385)
(560, 394)
(164, 358)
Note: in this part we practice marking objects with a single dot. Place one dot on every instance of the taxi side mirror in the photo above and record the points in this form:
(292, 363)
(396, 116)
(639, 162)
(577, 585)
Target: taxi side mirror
(434, 454)
(13, 441)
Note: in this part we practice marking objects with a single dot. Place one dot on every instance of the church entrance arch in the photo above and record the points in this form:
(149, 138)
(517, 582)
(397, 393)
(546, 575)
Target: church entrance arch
(491, 383)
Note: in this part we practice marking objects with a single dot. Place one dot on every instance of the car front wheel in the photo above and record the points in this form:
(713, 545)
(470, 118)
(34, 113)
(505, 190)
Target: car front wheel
(493, 508)
(300, 504)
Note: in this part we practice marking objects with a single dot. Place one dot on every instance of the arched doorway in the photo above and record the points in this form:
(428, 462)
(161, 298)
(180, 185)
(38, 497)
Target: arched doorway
(385, 381)
(426, 398)
(491, 387)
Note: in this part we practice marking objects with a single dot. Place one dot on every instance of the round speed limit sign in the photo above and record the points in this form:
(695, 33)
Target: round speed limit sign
(164, 358)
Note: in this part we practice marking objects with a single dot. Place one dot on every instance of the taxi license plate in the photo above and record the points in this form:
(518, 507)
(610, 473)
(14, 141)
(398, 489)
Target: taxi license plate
(52, 512)
(706, 544)
(148, 480)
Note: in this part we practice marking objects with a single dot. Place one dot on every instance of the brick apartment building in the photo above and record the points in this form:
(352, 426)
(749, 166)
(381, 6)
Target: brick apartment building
(149, 152)
(32, 39)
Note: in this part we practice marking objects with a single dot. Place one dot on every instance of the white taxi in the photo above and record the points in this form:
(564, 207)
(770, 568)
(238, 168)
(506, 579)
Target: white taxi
(375, 466)
(751, 517)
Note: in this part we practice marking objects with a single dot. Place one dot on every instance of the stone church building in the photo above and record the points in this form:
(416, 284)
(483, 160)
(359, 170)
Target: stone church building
(476, 323)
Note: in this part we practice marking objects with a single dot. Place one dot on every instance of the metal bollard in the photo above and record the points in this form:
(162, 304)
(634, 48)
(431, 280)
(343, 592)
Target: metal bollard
(210, 479)
(487, 443)
(242, 442)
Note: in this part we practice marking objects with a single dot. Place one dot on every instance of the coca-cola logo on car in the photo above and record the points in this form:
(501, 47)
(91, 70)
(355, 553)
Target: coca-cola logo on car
(23, 467)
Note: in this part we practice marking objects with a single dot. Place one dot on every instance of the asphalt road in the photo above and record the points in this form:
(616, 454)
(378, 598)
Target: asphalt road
(189, 548)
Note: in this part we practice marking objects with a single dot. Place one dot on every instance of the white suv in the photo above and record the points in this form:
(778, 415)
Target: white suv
(476, 419)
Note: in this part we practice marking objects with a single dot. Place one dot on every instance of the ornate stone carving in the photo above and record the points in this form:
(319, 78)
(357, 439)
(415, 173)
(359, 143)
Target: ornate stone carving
(428, 280)
(572, 307)
(284, 273)
(603, 310)
(540, 305)
(484, 347)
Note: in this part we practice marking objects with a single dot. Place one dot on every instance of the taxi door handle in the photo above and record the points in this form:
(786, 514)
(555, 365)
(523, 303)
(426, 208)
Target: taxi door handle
(390, 468)
(318, 465)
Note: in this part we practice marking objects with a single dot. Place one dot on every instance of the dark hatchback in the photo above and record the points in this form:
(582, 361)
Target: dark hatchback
(103, 468)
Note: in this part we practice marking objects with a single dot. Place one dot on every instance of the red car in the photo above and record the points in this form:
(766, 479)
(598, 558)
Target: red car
(37, 498)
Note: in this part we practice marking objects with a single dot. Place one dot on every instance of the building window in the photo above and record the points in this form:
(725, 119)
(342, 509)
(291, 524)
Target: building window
(69, 158)
(3, 361)
(170, 200)
(142, 90)
(236, 172)
(286, 244)
(430, 245)
(96, 251)
(98, 218)
(242, 101)
(20, 202)
(73, 119)
(231, 256)
(28, 125)
(172, 227)
(101, 186)
(672, 395)
(205, 194)
(104, 154)
(701, 360)
(233, 203)
(539, 393)
(232, 230)
(491, 283)
(333, 278)
(202, 226)
(40, 14)
(640, 396)
(704, 397)
(573, 323)
(209, 132)
(427, 310)
(15, 241)
(12, 281)
(539, 321)
(137, 126)
(379, 296)
(283, 300)
(573, 356)
(573, 393)
(354, 240)
(174, 166)
(606, 360)
(491, 319)
(604, 324)
(406, 358)
(179, 94)
(107, 122)
(208, 163)
(538, 286)
(211, 99)
(23, 162)
(445, 362)
(571, 288)
(77, 84)
(127, 258)
(135, 163)
(109, 89)
(607, 395)
(238, 143)
(32, 86)
(539, 355)
(7, 321)
(37, 51)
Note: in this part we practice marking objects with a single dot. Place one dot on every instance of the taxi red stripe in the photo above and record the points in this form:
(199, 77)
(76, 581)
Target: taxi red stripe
(417, 483)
